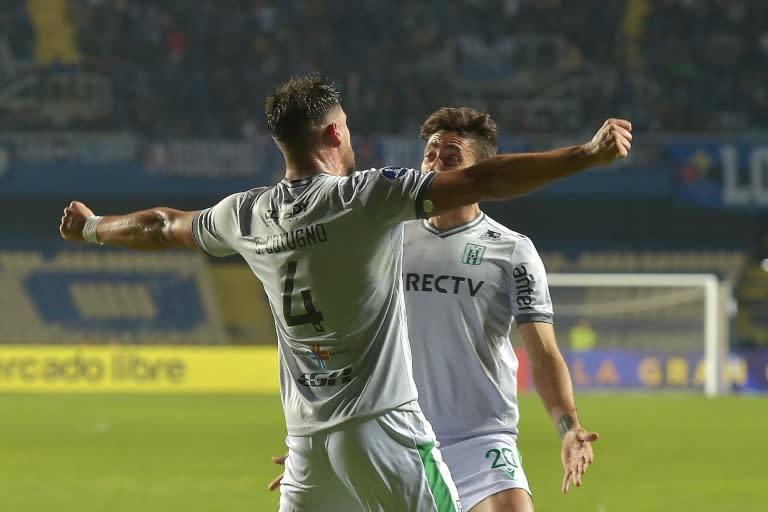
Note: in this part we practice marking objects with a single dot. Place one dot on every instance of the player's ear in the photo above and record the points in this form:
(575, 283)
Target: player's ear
(332, 135)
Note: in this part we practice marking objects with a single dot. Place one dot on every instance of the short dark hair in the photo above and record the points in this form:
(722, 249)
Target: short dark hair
(297, 105)
(467, 122)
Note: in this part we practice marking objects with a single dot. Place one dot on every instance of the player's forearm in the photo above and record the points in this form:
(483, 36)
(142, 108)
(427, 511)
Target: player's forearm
(145, 230)
(553, 383)
(511, 175)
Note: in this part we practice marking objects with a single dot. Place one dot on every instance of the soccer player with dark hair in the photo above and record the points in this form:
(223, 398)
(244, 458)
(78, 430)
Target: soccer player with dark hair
(477, 276)
(327, 248)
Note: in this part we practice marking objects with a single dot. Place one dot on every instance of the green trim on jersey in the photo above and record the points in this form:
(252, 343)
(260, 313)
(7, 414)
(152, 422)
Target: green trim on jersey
(440, 491)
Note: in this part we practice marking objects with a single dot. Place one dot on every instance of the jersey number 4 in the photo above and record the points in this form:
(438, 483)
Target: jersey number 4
(312, 316)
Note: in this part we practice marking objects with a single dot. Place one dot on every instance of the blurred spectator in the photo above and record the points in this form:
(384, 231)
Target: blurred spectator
(203, 68)
(583, 336)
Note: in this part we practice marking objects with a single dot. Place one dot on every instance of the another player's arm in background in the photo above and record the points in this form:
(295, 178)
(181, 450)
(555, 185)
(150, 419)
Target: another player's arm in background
(153, 229)
(553, 384)
(511, 175)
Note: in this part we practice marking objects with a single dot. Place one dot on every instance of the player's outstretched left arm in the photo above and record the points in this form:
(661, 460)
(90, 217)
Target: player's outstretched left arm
(153, 229)
(553, 383)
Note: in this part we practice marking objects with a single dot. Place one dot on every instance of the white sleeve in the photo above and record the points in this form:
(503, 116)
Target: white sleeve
(216, 227)
(395, 194)
(529, 289)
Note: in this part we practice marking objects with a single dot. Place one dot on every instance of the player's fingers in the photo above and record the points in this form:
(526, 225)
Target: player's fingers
(573, 480)
(274, 484)
(621, 147)
(566, 482)
(279, 459)
(65, 227)
(618, 135)
(623, 132)
(619, 122)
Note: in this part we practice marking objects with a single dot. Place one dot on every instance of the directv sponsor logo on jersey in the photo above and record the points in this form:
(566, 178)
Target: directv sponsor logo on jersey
(393, 173)
(441, 284)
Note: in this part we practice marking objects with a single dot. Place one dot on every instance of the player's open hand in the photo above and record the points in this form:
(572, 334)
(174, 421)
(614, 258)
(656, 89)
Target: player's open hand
(576, 454)
(274, 484)
(612, 141)
(73, 220)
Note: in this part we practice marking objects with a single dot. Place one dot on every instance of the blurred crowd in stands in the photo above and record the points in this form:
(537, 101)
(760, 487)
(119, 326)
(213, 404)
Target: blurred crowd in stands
(202, 68)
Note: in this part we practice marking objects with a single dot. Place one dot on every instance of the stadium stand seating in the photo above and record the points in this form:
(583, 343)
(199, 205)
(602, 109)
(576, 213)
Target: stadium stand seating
(172, 64)
(91, 296)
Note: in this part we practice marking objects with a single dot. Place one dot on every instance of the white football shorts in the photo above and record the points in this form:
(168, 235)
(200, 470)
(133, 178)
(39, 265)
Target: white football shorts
(383, 463)
(484, 465)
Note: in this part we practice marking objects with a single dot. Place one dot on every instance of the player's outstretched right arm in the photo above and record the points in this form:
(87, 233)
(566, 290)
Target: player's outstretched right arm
(153, 229)
(511, 175)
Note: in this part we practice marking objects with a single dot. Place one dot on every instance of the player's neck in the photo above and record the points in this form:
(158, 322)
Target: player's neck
(456, 217)
(312, 163)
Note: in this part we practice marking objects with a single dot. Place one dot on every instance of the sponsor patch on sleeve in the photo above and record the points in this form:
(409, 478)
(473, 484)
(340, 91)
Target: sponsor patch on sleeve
(393, 173)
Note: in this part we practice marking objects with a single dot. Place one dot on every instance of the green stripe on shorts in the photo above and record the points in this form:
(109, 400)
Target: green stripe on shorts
(437, 485)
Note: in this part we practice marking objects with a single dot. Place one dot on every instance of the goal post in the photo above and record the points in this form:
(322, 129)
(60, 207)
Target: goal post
(649, 312)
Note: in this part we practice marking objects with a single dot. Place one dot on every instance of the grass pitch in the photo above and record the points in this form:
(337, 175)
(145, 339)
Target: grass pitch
(189, 453)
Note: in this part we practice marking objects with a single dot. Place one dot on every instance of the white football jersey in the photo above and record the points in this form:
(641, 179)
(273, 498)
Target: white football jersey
(463, 287)
(328, 250)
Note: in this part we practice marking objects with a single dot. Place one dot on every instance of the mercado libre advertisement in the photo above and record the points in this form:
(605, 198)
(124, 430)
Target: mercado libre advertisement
(49, 368)
(138, 369)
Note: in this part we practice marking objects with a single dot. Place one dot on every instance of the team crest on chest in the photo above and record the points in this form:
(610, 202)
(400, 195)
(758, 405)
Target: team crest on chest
(473, 254)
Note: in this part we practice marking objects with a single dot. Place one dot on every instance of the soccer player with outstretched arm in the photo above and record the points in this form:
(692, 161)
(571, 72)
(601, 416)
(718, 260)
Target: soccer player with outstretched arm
(328, 251)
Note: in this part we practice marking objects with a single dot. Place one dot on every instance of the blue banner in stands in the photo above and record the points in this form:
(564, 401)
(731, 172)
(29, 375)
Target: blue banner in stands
(745, 370)
(704, 171)
(718, 174)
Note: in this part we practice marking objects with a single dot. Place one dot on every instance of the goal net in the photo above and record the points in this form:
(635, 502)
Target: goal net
(642, 331)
